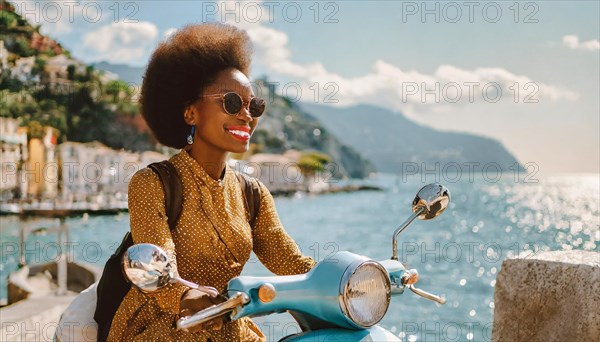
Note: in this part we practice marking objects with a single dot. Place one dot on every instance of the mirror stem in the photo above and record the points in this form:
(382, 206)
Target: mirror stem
(184, 282)
(401, 228)
(211, 291)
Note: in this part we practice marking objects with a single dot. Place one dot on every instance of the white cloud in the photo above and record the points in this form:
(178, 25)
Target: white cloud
(572, 42)
(168, 32)
(387, 83)
(390, 86)
(128, 43)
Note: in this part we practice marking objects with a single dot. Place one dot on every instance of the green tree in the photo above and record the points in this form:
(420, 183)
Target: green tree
(8, 19)
(71, 72)
(35, 130)
(118, 91)
(312, 162)
(39, 66)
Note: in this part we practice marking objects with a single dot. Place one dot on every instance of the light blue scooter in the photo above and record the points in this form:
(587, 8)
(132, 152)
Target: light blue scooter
(341, 299)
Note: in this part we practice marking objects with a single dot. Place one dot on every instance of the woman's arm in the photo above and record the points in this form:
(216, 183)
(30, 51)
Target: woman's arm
(148, 224)
(272, 245)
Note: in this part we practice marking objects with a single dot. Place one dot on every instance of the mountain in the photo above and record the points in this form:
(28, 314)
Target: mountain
(126, 73)
(286, 125)
(390, 140)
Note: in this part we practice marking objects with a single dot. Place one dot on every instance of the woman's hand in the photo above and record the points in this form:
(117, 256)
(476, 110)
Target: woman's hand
(194, 301)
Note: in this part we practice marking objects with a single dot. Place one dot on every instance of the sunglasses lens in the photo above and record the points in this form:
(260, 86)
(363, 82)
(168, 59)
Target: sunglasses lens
(257, 107)
(232, 103)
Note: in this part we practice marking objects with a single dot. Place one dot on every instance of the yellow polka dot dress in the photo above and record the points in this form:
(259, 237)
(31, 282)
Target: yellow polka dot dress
(210, 245)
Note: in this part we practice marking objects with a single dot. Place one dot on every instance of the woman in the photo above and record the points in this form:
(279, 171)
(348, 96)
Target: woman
(192, 92)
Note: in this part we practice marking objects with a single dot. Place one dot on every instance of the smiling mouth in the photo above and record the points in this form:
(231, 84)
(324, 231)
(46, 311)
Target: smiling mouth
(239, 134)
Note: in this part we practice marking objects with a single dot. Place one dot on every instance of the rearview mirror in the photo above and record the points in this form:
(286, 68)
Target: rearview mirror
(433, 198)
(149, 269)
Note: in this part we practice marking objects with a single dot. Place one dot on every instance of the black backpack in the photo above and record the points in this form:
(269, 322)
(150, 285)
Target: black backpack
(113, 286)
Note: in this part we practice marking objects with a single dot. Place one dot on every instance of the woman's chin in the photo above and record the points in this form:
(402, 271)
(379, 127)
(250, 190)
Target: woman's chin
(239, 149)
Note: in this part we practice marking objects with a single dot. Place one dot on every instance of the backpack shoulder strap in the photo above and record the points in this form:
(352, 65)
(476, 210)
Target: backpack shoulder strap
(171, 182)
(252, 195)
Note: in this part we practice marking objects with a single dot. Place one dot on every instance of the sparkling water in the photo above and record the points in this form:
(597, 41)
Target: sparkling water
(458, 255)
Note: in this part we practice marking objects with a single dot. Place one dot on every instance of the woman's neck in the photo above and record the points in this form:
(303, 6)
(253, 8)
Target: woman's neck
(213, 162)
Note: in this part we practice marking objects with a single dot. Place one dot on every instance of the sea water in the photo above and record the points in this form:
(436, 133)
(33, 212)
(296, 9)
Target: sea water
(458, 254)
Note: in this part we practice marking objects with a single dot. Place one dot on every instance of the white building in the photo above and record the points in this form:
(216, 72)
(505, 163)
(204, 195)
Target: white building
(149, 157)
(56, 68)
(277, 172)
(96, 173)
(3, 58)
(22, 69)
(51, 168)
(281, 172)
(13, 140)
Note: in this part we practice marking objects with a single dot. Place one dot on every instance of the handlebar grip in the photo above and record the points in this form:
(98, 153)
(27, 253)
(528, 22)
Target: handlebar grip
(212, 312)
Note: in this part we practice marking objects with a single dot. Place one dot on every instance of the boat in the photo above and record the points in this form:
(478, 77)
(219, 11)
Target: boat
(50, 209)
(43, 280)
(38, 294)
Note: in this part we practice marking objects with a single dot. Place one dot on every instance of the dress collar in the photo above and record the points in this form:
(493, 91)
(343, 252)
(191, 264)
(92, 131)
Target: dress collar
(198, 171)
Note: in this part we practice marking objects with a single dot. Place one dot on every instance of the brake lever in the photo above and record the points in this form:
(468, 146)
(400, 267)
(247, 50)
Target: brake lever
(410, 278)
(427, 295)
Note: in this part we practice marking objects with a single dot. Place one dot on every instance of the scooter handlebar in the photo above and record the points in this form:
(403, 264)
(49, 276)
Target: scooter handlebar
(212, 312)
(410, 278)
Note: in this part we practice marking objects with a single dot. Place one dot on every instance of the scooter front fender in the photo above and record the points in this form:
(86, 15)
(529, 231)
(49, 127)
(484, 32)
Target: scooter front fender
(374, 333)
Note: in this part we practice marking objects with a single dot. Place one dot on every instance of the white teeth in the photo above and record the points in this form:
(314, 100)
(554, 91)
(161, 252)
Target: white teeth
(240, 133)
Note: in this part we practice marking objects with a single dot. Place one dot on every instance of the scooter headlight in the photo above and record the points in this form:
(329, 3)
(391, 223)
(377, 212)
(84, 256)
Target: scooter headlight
(365, 295)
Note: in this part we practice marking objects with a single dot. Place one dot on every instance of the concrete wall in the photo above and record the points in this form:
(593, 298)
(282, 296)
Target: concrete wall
(37, 309)
(33, 319)
(548, 296)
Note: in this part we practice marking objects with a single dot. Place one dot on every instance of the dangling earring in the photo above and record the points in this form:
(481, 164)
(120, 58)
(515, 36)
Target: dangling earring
(190, 136)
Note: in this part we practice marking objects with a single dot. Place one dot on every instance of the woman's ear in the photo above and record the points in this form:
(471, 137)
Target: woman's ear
(189, 115)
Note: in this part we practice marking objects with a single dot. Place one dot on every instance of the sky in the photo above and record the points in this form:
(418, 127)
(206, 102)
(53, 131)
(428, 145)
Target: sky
(523, 72)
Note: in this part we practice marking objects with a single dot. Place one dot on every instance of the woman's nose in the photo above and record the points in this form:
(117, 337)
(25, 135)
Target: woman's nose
(244, 114)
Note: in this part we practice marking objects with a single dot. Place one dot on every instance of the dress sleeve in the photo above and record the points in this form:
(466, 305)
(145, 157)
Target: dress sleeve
(148, 224)
(272, 245)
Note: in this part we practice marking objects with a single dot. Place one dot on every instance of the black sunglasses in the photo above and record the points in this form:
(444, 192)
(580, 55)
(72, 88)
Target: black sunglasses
(233, 104)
